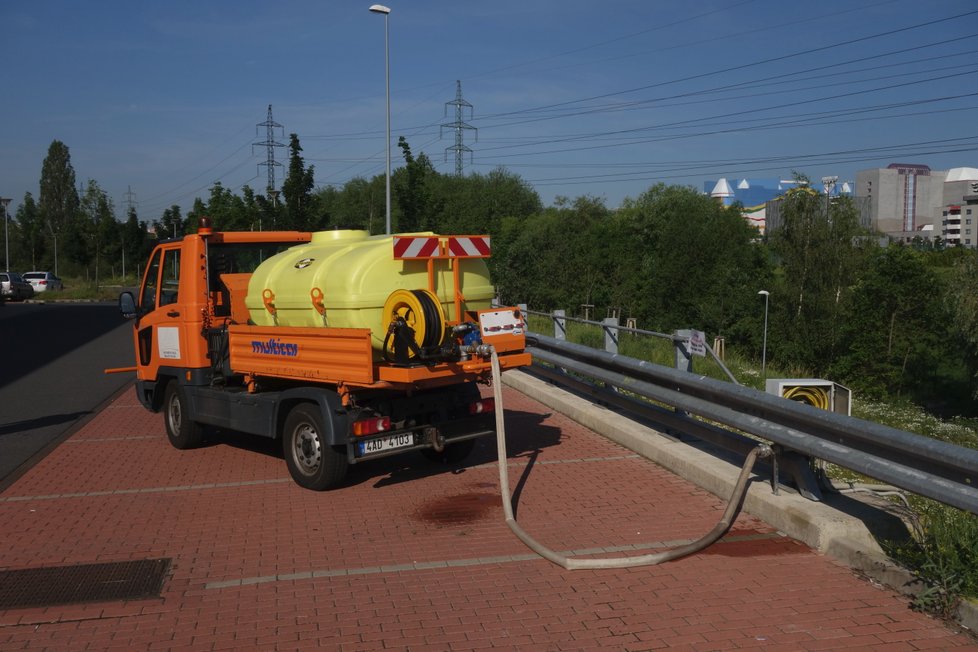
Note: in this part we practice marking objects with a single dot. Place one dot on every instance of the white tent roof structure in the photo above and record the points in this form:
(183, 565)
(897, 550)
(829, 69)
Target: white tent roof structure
(961, 174)
(722, 189)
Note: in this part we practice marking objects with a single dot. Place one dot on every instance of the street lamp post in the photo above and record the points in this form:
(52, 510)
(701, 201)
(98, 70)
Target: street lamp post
(829, 184)
(764, 346)
(381, 9)
(6, 240)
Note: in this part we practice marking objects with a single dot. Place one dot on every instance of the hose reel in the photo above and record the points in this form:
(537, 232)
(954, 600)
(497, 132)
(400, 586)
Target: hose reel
(814, 396)
(417, 326)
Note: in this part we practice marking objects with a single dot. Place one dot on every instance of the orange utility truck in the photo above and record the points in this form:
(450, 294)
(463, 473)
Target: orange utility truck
(346, 346)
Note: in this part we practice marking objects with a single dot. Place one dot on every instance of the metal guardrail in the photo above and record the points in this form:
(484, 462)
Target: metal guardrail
(938, 470)
(612, 330)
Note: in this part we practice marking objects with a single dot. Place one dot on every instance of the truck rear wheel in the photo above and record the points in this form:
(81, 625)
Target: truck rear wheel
(312, 462)
(182, 432)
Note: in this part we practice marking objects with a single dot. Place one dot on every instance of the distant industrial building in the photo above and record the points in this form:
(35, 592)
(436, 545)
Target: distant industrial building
(960, 207)
(755, 195)
(904, 201)
(909, 201)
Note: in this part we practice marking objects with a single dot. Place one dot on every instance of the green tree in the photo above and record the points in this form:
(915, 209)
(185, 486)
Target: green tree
(962, 301)
(227, 211)
(477, 204)
(672, 259)
(58, 200)
(171, 224)
(697, 263)
(820, 256)
(269, 211)
(410, 187)
(555, 259)
(358, 204)
(251, 213)
(134, 243)
(297, 190)
(97, 230)
(30, 226)
(894, 329)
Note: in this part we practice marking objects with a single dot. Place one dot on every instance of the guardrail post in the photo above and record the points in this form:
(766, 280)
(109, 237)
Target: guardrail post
(684, 358)
(610, 334)
(560, 325)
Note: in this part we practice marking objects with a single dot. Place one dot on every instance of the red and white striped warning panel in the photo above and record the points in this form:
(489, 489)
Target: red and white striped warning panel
(415, 247)
(476, 246)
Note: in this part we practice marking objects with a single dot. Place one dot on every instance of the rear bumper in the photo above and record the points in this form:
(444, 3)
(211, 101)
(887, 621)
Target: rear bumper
(429, 436)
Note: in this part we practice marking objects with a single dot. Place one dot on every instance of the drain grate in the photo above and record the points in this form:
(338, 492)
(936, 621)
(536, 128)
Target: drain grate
(52, 585)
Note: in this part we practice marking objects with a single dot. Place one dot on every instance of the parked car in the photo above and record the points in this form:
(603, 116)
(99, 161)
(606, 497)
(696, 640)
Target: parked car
(44, 281)
(14, 287)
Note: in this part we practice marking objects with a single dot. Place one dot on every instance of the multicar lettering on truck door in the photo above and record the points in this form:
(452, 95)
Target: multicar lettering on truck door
(158, 334)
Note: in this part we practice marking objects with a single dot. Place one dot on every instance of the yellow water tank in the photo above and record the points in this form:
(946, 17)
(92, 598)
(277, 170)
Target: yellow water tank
(342, 278)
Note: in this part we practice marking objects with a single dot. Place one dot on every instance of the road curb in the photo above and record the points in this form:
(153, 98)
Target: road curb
(842, 528)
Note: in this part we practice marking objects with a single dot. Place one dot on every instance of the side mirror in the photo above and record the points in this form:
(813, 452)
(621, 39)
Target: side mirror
(127, 305)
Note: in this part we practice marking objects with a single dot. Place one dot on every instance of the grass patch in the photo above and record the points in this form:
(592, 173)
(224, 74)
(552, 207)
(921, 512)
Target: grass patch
(943, 554)
(79, 289)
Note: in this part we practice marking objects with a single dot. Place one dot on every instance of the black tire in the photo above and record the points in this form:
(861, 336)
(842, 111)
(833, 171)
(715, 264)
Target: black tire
(452, 453)
(182, 432)
(312, 462)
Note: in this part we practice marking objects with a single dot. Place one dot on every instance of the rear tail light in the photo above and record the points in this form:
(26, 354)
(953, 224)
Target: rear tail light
(43, 283)
(371, 426)
(483, 406)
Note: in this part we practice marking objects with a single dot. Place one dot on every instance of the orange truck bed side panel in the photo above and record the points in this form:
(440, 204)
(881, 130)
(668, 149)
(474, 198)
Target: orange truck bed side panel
(469, 370)
(330, 355)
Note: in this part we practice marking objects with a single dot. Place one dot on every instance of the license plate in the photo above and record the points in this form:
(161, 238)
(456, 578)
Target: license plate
(390, 442)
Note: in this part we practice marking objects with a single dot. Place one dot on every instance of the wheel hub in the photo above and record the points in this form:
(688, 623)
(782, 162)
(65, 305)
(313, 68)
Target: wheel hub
(174, 415)
(308, 450)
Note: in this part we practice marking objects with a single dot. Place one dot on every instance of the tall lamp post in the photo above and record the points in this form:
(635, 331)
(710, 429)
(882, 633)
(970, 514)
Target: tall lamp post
(829, 184)
(381, 9)
(5, 201)
(764, 346)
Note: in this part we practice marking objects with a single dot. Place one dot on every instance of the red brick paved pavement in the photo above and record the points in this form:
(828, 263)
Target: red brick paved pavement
(409, 556)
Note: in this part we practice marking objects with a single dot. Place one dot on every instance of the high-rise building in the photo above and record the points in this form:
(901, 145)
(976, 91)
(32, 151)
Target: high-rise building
(959, 225)
(904, 198)
(909, 201)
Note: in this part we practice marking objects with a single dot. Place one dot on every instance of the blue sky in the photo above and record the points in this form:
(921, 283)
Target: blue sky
(577, 97)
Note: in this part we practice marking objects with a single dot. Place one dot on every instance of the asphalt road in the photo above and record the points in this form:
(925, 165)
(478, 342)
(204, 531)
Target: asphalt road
(52, 380)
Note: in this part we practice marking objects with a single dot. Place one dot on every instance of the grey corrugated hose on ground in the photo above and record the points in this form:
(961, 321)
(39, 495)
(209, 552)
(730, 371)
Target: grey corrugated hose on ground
(571, 563)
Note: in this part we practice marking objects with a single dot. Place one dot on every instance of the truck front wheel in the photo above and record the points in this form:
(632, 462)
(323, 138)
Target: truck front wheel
(181, 430)
(312, 462)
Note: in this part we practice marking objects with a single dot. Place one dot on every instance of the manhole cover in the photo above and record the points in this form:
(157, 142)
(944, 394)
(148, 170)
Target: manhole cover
(51, 585)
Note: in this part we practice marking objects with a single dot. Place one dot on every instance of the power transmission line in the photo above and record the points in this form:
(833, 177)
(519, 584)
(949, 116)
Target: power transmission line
(751, 64)
(270, 144)
(777, 163)
(581, 106)
(459, 128)
(130, 200)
